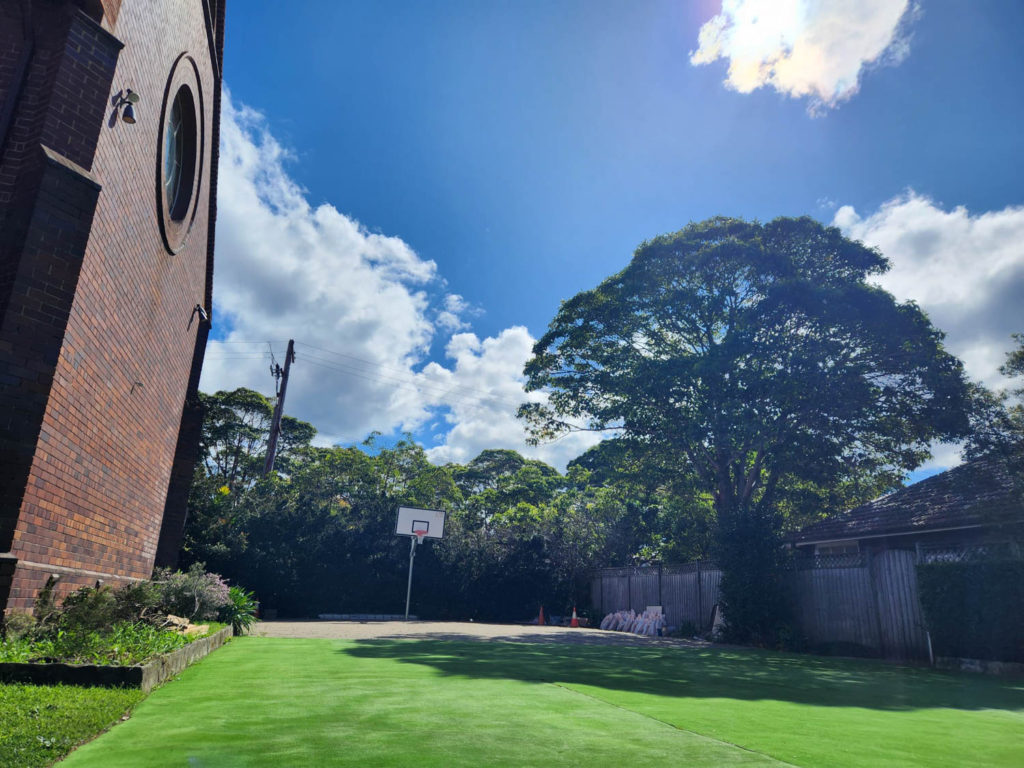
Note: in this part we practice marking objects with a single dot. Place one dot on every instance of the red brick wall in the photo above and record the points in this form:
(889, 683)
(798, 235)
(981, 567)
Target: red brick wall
(95, 493)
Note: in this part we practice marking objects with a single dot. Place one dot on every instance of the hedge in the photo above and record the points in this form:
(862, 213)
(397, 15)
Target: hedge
(974, 610)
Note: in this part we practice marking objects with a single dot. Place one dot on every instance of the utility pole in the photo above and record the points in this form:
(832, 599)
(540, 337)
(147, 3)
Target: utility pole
(275, 424)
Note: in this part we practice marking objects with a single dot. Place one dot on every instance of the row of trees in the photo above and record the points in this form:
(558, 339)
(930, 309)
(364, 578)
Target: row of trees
(754, 379)
(318, 534)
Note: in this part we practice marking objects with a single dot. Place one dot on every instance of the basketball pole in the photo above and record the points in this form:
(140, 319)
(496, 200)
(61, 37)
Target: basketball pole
(408, 589)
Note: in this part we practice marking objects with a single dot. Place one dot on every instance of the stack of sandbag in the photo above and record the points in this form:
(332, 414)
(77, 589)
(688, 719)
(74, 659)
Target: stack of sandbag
(649, 623)
(618, 621)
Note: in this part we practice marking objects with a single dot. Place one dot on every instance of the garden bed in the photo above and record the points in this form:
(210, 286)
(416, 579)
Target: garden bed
(145, 676)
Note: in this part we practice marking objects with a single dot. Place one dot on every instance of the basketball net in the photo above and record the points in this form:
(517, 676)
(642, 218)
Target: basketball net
(419, 536)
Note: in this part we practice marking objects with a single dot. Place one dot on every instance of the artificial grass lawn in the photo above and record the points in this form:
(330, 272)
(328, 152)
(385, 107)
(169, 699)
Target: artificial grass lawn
(40, 723)
(272, 702)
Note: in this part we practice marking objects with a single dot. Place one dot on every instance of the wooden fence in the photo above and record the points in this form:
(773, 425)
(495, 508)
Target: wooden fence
(865, 600)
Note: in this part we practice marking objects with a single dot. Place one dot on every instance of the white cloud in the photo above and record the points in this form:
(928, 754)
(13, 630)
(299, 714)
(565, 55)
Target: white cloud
(363, 308)
(286, 269)
(804, 48)
(495, 366)
(450, 318)
(966, 271)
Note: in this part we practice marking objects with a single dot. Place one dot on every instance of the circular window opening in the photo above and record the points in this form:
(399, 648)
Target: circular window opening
(180, 154)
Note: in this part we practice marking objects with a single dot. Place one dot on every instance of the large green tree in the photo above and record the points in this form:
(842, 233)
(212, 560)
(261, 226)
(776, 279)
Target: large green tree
(998, 427)
(759, 357)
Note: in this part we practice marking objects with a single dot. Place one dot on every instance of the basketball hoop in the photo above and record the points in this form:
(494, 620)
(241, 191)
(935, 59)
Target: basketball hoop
(418, 525)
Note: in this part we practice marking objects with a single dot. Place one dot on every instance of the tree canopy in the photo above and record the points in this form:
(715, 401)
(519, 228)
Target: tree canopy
(751, 352)
(998, 419)
(758, 360)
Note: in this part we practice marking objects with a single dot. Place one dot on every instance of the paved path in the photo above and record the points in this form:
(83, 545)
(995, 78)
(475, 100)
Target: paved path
(458, 630)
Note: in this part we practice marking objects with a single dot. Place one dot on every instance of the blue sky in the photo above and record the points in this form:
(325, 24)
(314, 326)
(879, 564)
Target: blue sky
(475, 163)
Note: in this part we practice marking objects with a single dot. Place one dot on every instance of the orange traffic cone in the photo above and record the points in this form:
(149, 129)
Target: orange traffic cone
(575, 622)
(540, 618)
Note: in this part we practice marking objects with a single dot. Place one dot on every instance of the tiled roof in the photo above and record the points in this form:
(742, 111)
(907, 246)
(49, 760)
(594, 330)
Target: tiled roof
(976, 493)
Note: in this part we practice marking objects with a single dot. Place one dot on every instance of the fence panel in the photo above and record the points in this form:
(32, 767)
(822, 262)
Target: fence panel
(679, 596)
(901, 624)
(686, 593)
(645, 588)
(836, 605)
(710, 586)
(613, 591)
(871, 602)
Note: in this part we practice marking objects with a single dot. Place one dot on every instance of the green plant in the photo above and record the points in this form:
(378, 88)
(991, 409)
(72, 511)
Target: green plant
(88, 608)
(139, 601)
(194, 594)
(240, 610)
(123, 643)
(45, 604)
(976, 609)
(17, 626)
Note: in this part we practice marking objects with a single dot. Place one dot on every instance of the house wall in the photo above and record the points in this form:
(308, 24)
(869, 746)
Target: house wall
(98, 346)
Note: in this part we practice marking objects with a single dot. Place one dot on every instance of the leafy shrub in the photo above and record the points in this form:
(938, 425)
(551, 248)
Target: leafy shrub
(101, 607)
(101, 625)
(974, 610)
(194, 594)
(45, 604)
(757, 604)
(140, 601)
(88, 608)
(240, 610)
(18, 625)
(124, 643)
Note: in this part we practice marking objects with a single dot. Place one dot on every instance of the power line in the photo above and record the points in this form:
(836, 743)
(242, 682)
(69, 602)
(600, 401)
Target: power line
(439, 389)
(239, 341)
(404, 373)
(404, 379)
(479, 405)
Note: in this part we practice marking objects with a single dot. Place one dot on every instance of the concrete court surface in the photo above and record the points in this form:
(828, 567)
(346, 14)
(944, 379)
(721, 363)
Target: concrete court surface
(459, 630)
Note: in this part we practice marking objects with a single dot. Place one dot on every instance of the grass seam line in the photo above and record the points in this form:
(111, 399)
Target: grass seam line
(673, 725)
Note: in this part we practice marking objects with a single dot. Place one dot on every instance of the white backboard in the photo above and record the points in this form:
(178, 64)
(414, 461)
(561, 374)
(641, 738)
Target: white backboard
(411, 520)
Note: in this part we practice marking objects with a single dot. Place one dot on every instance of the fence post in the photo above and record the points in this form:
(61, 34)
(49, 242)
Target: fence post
(659, 587)
(700, 601)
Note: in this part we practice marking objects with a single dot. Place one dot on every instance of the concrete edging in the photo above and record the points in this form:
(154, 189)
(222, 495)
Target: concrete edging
(145, 676)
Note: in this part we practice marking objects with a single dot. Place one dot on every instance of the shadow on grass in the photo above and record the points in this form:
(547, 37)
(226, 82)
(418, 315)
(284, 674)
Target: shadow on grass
(702, 673)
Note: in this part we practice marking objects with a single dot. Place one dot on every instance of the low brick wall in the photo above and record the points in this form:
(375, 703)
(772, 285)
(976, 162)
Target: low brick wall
(145, 676)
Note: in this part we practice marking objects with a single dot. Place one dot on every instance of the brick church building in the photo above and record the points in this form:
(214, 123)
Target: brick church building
(109, 122)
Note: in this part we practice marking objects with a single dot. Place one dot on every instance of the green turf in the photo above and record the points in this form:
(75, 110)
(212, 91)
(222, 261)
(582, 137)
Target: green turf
(265, 702)
(39, 723)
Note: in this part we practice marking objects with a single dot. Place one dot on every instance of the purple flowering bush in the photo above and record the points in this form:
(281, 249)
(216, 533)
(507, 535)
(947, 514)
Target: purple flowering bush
(193, 594)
